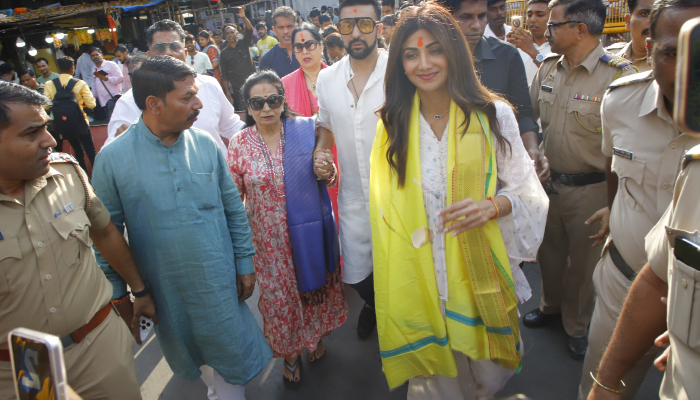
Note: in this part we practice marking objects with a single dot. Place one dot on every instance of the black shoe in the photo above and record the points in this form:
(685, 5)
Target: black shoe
(538, 319)
(576, 347)
(366, 322)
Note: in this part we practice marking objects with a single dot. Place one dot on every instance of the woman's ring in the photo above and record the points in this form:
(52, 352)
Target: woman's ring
(325, 163)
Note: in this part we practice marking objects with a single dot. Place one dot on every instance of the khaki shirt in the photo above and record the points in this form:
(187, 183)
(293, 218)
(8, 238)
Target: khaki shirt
(625, 50)
(646, 149)
(682, 218)
(572, 127)
(49, 280)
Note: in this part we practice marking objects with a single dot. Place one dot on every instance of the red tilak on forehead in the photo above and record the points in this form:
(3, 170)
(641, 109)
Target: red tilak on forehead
(420, 41)
(355, 11)
(264, 88)
(302, 37)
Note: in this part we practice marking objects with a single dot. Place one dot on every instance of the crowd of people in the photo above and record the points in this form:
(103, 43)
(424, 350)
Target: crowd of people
(419, 155)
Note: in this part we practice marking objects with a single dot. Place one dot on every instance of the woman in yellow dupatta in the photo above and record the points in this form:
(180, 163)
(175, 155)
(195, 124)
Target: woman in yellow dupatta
(455, 206)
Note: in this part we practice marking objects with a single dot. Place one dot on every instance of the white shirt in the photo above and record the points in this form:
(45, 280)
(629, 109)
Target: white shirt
(201, 62)
(217, 116)
(530, 66)
(522, 230)
(354, 127)
(84, 67)
(489, 33)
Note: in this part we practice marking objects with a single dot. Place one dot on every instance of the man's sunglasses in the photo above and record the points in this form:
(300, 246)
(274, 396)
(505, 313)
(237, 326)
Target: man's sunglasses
(551, 25)
(160, 48)
(364, 24)
(309, 44)
(274, 101)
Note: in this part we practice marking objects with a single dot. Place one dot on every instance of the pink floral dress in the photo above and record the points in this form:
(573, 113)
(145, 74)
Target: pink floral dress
(289, 324)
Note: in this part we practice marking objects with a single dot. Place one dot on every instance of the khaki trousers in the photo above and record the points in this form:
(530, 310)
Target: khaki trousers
(567, 259)
(101, 367)
(611, 288)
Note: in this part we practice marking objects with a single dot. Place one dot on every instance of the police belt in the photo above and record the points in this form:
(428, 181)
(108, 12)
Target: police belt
(78, 335)
(578, 179)
(620, 262)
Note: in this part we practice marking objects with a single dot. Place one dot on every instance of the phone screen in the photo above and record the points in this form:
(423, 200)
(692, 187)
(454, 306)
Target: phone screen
(692, 116)
(32, 369)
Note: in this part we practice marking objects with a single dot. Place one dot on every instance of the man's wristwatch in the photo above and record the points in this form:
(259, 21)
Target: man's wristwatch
(146, 291)
(539, 58)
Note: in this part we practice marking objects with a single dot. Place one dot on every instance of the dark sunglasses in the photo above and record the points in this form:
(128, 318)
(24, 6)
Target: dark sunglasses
(274, 101)
(364, 24)
(159, 48)
(551, 25)
(309, 44)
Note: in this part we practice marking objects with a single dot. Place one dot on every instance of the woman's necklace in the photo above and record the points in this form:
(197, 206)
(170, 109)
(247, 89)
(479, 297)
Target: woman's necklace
(273, 176)
(313, 82)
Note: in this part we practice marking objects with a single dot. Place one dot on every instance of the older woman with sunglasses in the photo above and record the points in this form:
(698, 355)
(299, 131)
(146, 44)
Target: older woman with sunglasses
(300, 85)
(301, 296)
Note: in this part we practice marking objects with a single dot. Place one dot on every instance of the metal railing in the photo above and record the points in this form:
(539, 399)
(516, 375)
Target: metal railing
(614, 23)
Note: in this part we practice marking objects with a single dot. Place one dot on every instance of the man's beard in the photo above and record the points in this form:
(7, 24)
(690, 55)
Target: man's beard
(361, 55)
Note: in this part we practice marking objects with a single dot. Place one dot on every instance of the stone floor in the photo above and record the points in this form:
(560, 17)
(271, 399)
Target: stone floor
(351, 368)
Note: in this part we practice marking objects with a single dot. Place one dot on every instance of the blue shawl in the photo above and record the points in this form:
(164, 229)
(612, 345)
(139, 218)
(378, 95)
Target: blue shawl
(312, 228)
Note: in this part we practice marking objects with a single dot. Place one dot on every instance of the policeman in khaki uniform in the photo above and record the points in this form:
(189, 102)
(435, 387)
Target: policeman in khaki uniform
(646, 149)
(644, 316)
(49, 280)
(566, 95)
(637, 21)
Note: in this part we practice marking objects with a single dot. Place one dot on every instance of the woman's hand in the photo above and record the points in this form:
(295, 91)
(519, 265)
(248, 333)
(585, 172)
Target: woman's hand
(475, 215)
(323, 164)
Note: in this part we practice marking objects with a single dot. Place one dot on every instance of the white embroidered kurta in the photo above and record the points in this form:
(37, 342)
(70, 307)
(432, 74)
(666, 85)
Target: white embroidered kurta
(354, 127)
(216, 117)
(522, 230)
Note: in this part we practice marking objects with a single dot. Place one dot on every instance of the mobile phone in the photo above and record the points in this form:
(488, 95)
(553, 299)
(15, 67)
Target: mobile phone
(688, 252)
(145, 324)
(687, 104)
(38, 367)
(101, 72)
(516, 22)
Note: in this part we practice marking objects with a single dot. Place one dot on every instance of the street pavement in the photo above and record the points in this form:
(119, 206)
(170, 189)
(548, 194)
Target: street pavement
(351, 368)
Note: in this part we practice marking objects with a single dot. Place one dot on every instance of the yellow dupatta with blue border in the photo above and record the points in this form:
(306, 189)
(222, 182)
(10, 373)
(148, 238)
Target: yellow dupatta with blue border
(481, 317)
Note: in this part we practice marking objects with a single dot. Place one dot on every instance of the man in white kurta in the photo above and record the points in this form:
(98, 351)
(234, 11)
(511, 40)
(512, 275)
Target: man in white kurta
(354, 125)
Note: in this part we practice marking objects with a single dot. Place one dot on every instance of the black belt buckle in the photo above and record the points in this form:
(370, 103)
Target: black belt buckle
(567, 180)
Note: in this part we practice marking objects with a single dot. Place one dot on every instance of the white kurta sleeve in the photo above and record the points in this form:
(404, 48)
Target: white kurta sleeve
(523, 229)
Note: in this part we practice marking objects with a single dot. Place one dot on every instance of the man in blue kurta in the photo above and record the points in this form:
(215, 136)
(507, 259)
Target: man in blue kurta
(188, 231)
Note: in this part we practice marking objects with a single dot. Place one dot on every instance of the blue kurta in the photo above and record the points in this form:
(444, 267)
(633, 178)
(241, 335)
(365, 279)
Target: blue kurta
(189, 234)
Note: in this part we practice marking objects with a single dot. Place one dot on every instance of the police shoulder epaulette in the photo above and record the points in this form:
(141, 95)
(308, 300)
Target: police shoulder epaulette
(617, 62)
(631, 80)
(551, 56)
(616, 46)
(62, 158)
(693, 154)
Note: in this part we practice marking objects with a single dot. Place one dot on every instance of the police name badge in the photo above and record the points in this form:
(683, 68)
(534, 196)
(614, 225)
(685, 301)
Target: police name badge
(547, 88)
(623, 153)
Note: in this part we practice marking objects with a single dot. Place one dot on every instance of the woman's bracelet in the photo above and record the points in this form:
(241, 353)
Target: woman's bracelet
(331, 179)
(616, 391)
(317, 150)
(497, 205)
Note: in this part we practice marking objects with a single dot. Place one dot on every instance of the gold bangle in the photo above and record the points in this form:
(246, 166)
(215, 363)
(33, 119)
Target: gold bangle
(624, 387)
(317, 150)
